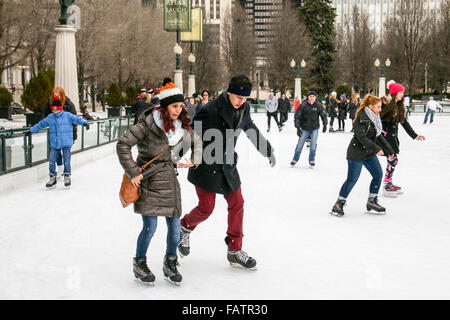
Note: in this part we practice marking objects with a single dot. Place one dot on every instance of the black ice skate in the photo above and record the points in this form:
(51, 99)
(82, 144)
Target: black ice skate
(373, 207)
(338, 208)
(52, 182)
(240, 259)
(312, 164)
(293, 163)
(184, 247)
(280, 128)
(268, 129)
(170, 270)
(142, 273)
(67, 181)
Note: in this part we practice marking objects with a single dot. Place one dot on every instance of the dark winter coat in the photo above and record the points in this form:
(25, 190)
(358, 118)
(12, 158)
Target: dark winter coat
(159, 190)
(365, 144)
(221, 174)
(391, 128)
(140, 107)
(342, 106)
(283, 105)
(307, 116)
(352, 108)
(68, 107)
(332, 108)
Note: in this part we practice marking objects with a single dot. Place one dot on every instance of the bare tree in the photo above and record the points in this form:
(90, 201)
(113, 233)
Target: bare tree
(239, 43)
(288, 41)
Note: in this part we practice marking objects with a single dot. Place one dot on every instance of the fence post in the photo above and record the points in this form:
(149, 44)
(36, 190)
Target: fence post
(82, 137)
(3, 154)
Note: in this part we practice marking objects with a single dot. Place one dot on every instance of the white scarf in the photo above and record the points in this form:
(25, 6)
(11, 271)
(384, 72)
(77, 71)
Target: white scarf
(375, 118)
(174, 137)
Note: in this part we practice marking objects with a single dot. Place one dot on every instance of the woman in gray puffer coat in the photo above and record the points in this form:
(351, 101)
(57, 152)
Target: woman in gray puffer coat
(163, 131)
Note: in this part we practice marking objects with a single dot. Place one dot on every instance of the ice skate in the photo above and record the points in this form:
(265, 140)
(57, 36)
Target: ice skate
(312, 164)
(338, 208)
(170, 270)
(241, 260)
(67, 181)
(184, 247)
(293, 163)
(51, 184)
(397, 189)
(142, 273)
(373, 207)
(389, 190)
(280, 128)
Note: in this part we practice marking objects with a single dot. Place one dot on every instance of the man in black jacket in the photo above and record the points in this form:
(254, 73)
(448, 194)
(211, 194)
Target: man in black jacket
(283, 108)
(219, 123)
(307, 124)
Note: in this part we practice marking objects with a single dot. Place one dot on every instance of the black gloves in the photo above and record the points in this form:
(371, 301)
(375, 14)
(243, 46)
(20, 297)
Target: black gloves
(299, 132)
(324, 129)
(272, 160)
(87, 126)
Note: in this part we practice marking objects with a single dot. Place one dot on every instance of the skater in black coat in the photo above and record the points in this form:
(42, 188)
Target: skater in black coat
(393, 113)
(220, 123)
(367, 143)
(283, 107)
(332, 109)
(352, 107)
(342, 114)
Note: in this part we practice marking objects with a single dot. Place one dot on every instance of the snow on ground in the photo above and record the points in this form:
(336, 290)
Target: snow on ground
(79, 243)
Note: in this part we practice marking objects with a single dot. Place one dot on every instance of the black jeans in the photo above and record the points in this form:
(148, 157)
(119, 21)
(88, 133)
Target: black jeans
(283, 117)
(269, 117)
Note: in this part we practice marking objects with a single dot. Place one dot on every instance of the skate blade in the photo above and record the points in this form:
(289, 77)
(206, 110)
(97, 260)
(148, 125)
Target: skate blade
(50, 188)
(145, 283)
(172, 282)
(376, 213)
(390, 194)
(336, 214)
(238, 266)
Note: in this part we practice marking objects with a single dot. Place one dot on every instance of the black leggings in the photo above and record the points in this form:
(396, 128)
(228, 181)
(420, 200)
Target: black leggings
(341, 124)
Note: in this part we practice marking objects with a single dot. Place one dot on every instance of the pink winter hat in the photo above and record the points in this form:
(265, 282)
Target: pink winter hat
(395, 88)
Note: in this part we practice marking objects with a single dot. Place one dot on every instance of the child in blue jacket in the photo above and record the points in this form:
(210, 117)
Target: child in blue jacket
(60, 127)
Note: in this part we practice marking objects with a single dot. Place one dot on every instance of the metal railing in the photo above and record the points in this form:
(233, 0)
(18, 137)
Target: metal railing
(19, 151)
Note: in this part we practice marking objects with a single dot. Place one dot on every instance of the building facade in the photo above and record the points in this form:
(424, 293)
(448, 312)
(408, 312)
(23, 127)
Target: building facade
(378, 11)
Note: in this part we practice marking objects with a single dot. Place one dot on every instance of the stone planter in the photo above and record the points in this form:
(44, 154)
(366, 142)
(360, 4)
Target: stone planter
(5, 113)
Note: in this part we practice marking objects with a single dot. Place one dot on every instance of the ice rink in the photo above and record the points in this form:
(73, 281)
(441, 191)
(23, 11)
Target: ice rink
(79, 243)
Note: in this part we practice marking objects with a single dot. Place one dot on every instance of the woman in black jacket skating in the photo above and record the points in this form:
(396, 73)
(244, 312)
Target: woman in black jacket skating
(342, 113)
(332, 109)
(367, 143)
(393, 113)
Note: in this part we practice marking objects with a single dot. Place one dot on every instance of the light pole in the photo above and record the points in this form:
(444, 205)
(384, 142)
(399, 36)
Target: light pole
(298, 80)
(382, 69)
(426, 77)
(178, 72)
(191, 77)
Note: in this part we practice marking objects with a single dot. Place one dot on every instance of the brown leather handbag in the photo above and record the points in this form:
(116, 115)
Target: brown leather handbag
(128, 193)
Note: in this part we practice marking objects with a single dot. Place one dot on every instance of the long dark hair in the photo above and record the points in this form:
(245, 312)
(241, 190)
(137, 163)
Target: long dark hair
(394, 111)
(168, 123)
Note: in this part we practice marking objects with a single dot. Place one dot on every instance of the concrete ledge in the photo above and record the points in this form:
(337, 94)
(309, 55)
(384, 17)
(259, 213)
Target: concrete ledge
(18, 179)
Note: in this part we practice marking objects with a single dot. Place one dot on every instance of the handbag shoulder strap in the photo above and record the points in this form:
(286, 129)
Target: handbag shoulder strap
(155, 158)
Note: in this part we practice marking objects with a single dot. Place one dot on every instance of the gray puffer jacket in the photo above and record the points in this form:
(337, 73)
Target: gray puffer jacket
(159, 190)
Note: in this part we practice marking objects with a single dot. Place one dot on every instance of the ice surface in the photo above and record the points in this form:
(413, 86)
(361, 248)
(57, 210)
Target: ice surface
(79, 243)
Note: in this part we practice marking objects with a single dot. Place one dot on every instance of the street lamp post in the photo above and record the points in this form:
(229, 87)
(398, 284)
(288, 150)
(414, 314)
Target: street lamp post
(178, 72)
(191, 77)
(382, 69)
(298, 80)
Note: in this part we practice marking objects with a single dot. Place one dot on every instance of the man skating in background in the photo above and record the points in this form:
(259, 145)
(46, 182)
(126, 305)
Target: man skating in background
(272, 110)
(217, 174)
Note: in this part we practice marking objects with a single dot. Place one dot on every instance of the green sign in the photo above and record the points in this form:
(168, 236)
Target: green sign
(177, 15)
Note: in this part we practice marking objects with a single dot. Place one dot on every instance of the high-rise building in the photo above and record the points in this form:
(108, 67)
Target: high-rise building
(378, 10)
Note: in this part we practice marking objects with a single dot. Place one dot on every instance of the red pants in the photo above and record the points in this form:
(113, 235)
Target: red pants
(206, 203)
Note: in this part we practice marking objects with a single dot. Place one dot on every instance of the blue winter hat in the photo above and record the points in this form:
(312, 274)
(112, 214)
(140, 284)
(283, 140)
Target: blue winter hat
(312, 93)
(344, 95)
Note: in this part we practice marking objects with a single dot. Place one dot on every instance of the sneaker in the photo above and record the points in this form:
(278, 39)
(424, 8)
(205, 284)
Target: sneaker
(372, 205)
(67, 181)
(389, 190)
(184, 246)
(52, 182)
(293, 163)
(338, 208)
(170, 270)
(240, 259)
(141, 271)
